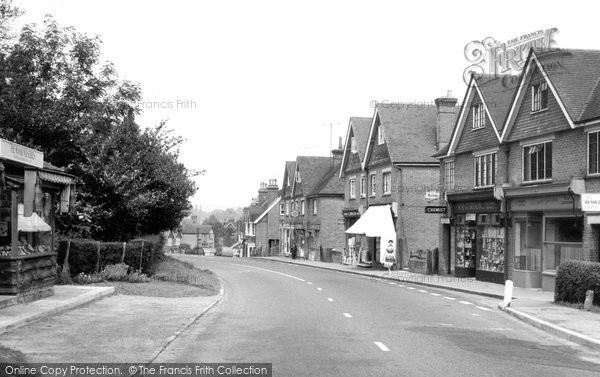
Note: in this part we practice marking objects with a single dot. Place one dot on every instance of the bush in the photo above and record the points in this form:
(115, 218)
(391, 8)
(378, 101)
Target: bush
(138, 277)
(574, 279)
(115, 272)
(83, 255)
(92, 278)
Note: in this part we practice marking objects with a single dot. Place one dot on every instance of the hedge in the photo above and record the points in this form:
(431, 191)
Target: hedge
(574, 279)
(83, 254)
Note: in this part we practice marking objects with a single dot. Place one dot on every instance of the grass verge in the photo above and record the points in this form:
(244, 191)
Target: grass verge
(11, 356)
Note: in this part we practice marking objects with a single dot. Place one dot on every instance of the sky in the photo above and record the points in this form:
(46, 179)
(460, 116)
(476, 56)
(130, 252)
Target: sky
(252, 84)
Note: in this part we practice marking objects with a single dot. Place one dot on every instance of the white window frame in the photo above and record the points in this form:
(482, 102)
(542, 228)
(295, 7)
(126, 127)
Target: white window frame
(386, 173)
(352, 188)
(523, 154)
(287, 208)
(536, 97)
(363, 186)
(281, 209)
(483, 170)
(302, 207)
(380, 135)
(297, 176)
(353, 146)
(315, 206)
(478, 116)
(449, 174)
(373, 185)
(597, 135)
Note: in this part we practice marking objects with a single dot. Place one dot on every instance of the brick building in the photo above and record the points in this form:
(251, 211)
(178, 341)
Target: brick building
(311, 208)
(266, 225)
(258, 243)
(546, 159)
(399, 172)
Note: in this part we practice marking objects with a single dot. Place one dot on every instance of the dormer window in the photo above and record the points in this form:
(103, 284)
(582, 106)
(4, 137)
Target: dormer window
(380, 136)
(353, 147)
(478, 116)
(539, 97)
(297, 178)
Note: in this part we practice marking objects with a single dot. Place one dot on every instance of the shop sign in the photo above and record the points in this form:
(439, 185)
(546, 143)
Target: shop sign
(19, 153)
(351, 213)
(480, 206)
(436, 209)
(432, 195)
(545, 203)
(590, 202)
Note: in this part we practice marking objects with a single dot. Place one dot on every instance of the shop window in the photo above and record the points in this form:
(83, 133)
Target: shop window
(563, 241)
(594, 152)
(539, 97)
(528, 244)
(491, 256)
(478, 116)
(5, 223)
(466, 238)
(485, 170)
(537, 162)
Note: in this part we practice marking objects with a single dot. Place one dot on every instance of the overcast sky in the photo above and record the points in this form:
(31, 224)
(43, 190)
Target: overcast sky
(251, 84)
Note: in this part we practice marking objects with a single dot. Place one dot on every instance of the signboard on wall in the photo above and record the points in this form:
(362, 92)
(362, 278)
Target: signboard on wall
(590, 202)
(19, 153)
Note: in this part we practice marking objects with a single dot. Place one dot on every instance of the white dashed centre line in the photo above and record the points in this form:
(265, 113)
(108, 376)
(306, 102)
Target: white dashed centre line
(410, 288)
(382, 346)
(330, 299)
(475, 315)
(483, 308)
(309, 283)
(435, 294)
(347, 315)
(400, 285)
(449, 298)
(319, 289)
(422, 291)
(465, 302)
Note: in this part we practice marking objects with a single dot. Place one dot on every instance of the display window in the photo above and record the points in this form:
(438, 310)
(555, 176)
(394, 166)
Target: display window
(491, 250)
(5, 224)
(563, 240)
(466, 241)
(528, 243)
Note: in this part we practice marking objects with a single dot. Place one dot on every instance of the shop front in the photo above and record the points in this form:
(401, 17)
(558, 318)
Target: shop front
(30, 191)
(547, 229)
(355, 243)
(371, 233)
(478, 237)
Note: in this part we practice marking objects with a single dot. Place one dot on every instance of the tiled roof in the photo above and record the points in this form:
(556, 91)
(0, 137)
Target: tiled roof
(409, 131)
(330, 184)
(312, 171)
(289, 172)
(194, 228)
(361, 127)
(497, 96)
(576, 76)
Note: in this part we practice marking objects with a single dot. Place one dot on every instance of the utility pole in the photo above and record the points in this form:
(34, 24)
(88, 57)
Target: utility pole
(331, 124)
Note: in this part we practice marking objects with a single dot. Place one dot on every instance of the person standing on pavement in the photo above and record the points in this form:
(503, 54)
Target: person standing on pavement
(390, 257)
(294, 250)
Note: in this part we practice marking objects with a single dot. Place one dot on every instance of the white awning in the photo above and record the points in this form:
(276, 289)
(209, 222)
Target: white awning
(376, 222)
(32, 223)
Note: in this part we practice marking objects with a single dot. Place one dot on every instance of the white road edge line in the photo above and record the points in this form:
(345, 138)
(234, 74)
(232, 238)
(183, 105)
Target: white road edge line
(278, 273)
(382, 346)
(347, 315)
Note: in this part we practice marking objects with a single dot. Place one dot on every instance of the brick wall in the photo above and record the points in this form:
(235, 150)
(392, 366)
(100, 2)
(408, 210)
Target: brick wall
(331, 234)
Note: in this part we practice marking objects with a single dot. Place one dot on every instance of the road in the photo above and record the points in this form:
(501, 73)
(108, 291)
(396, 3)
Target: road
(314, 322)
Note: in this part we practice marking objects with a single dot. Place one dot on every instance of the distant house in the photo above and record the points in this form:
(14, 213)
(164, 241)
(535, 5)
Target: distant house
(197, 235)
(260, 234)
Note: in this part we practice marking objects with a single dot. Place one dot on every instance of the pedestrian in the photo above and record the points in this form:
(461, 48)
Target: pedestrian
(293, 250)
(390, 257)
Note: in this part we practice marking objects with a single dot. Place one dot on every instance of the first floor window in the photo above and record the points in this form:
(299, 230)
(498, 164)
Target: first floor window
(373, 185)
(485, 170)
(449, 175)
(537, 162)
(302, 207)
(287, 208)
(387, 182)
(352, 188)
(363, 186)
(314, 206)
(593, 152)
(281, 209)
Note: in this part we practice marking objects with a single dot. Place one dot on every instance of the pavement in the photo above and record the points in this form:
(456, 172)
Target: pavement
(315, 322)
(92, 324)
(532, 306)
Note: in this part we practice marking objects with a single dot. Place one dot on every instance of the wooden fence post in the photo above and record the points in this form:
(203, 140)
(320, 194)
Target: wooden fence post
(141, 256)
(98, 258)
(66, 269)
(124, 249)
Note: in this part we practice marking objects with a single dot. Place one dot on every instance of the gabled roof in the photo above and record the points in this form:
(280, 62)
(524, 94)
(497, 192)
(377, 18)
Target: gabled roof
(496, 97)
(573, 76)
(409, 132)
(359, 127)
(331, 183)
(267, 210)
(290, 167)
(312, 170)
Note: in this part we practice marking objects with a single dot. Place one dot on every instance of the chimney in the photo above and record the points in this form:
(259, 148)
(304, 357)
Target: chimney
(262, 193)
(446, 116)
(194, 219)
(339, 152)
(272, 190)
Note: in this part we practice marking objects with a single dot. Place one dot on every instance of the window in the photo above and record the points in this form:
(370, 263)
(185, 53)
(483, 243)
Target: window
(594, 152)
(449, 175)
(528, 244)
(485, 170)
(373, 184)
(478, 116)
(380, 136)
(314, 206)
(297, 178)
(352, 188)
(363, 186)
(563, 241)
(287, 208)
(539, 97)
(302, 207)
(387, 182)
(537, 162)
(281, 209)
(353, 147)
